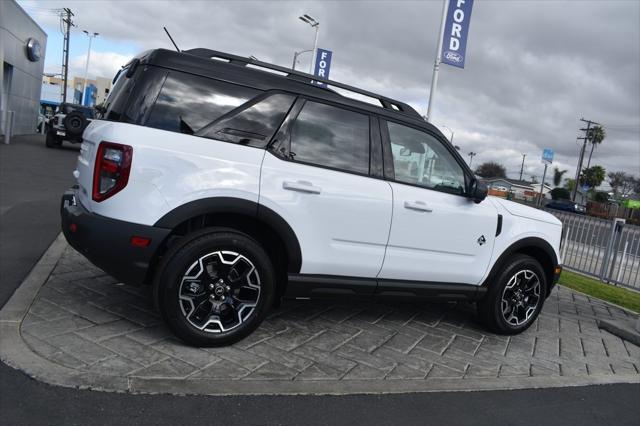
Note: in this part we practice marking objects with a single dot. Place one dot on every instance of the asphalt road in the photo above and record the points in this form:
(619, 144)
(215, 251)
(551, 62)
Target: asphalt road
(31, 181)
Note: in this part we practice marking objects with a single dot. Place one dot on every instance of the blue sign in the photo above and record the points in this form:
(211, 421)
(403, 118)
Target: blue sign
(547, 156)
(456, 29)
(323, 64)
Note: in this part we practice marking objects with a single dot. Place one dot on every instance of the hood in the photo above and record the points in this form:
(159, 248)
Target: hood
(521, 210)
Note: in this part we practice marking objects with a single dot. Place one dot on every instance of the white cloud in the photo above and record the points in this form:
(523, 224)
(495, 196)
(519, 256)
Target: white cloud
(101, 64)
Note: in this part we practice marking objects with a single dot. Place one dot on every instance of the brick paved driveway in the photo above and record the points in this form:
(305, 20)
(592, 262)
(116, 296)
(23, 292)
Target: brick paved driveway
(84, 320)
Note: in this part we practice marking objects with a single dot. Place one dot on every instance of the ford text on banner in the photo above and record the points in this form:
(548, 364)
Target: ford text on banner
(456, 30)
(323, 64)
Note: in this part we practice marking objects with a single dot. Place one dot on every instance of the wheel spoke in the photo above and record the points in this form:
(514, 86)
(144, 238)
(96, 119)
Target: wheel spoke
(520, 297)
(219, 291)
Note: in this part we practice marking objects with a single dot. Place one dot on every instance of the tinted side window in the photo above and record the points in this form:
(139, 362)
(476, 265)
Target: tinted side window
(253, 123)
(116, 102)
(421, 159)
(332, 137)
(188, 103)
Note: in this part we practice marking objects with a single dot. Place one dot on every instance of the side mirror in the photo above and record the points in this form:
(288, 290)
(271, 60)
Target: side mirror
(478, 191)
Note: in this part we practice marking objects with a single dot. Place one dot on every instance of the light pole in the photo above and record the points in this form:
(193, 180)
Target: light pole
(314, 24)
(295, 57)
(471, 155)
(86, 67)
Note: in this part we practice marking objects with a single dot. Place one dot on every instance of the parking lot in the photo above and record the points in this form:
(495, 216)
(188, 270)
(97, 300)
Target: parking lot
(106, 335)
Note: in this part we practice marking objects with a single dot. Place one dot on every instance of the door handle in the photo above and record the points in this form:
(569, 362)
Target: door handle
(301, 186)
(420, 206)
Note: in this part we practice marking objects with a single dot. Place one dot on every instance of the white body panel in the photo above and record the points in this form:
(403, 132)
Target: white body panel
(343, 229)
(168, 170)
(434, 237)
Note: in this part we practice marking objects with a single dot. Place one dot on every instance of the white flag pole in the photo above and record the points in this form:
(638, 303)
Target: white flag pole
(436, 63)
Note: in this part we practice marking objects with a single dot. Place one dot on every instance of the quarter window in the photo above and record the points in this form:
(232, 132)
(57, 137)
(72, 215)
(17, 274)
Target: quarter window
(421, 159)
(333, 137)
(188, 103)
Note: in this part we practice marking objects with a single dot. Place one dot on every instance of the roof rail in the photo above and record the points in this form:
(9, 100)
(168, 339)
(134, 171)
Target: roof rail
(303, 77)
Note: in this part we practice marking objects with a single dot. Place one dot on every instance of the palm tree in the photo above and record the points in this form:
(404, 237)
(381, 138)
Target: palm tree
(557, 176)
(596, 136)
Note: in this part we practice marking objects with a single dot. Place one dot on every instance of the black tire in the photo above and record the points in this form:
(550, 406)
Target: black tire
(490, 308)
(51, 141)
(75, 122)
(206, 247)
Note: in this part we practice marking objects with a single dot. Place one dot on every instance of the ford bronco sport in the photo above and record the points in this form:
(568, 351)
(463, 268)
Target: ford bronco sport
(227, 184)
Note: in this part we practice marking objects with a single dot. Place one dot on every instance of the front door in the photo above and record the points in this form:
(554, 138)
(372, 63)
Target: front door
(438, 234)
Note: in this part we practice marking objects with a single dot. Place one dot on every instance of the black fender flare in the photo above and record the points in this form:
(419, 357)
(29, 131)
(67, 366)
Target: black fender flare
(520, 246)
(243, 207)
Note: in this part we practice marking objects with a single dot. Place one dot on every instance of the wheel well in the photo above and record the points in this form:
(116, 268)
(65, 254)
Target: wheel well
(534, 247)
(545, 260)
(252, 226)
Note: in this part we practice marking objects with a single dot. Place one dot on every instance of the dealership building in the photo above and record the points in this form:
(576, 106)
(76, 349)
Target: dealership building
(22, 50)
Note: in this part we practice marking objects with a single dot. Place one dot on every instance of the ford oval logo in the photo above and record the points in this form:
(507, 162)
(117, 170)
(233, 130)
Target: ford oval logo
(453, 56)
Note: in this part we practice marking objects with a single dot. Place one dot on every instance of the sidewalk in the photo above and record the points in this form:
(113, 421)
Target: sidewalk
(83, 329)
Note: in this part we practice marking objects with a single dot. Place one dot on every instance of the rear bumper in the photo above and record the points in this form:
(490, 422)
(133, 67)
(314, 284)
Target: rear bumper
(107, 242)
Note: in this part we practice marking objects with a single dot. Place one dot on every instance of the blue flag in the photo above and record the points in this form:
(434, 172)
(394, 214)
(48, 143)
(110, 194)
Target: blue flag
(456, 29)
(323, 64)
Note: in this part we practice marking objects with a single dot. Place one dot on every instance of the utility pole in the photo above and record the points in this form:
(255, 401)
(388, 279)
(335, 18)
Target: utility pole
(522, 167)
(68, 23)
(582, 151)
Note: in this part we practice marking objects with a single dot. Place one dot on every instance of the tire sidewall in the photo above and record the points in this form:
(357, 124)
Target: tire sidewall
(492, 303)
(182, 257)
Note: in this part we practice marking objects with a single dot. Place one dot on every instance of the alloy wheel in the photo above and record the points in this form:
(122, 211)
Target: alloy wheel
(520, 297)
(219, 291)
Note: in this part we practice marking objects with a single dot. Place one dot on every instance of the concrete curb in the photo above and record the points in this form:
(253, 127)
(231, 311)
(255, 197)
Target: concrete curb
(17, 354)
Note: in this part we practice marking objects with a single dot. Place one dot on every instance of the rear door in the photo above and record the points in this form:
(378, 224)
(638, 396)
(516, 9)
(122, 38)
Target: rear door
(318, 178)
(438, 234)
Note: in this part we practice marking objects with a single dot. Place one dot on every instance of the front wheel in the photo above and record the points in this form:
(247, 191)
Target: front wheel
(216, 287)
(515, 298)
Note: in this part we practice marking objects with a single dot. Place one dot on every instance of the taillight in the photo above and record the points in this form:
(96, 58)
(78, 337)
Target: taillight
(111, 173)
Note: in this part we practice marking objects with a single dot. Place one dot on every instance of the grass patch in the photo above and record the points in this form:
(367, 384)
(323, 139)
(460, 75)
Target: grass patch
(609, 292)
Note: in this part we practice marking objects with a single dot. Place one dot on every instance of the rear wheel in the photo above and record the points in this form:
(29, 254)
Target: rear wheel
(216, 287)
(51, 141)
(515, 298)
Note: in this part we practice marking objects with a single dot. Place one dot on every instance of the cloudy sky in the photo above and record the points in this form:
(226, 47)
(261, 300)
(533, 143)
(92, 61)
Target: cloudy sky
(533, 68)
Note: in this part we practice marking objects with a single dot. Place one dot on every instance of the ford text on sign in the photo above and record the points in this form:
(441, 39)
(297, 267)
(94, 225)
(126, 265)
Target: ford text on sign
(323, 64)
(456, 29)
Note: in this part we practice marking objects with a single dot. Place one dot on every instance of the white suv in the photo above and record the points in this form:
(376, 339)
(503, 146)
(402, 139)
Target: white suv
(228, 184)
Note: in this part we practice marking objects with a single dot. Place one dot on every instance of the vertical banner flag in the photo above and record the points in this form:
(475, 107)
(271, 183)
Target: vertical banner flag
(323, 64)
(456, 30)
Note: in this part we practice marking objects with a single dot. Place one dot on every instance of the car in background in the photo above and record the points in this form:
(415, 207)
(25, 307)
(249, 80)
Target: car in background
(68, 123)
(567, 206)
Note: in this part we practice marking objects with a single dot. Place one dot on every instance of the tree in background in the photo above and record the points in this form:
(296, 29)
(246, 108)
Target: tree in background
(623, 184)
(596, 136)
(593, 176)
(491, 169)
(557, 176)
(569, 184)
(600, 197)
(560, 194)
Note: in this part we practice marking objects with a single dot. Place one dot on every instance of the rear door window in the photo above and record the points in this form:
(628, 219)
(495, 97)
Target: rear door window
(333, 137)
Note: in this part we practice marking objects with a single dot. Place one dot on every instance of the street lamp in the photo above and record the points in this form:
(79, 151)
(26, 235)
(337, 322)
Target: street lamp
(295, 57)
(452, 132)
(86, 67)
(314, 24)
(471, 155)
